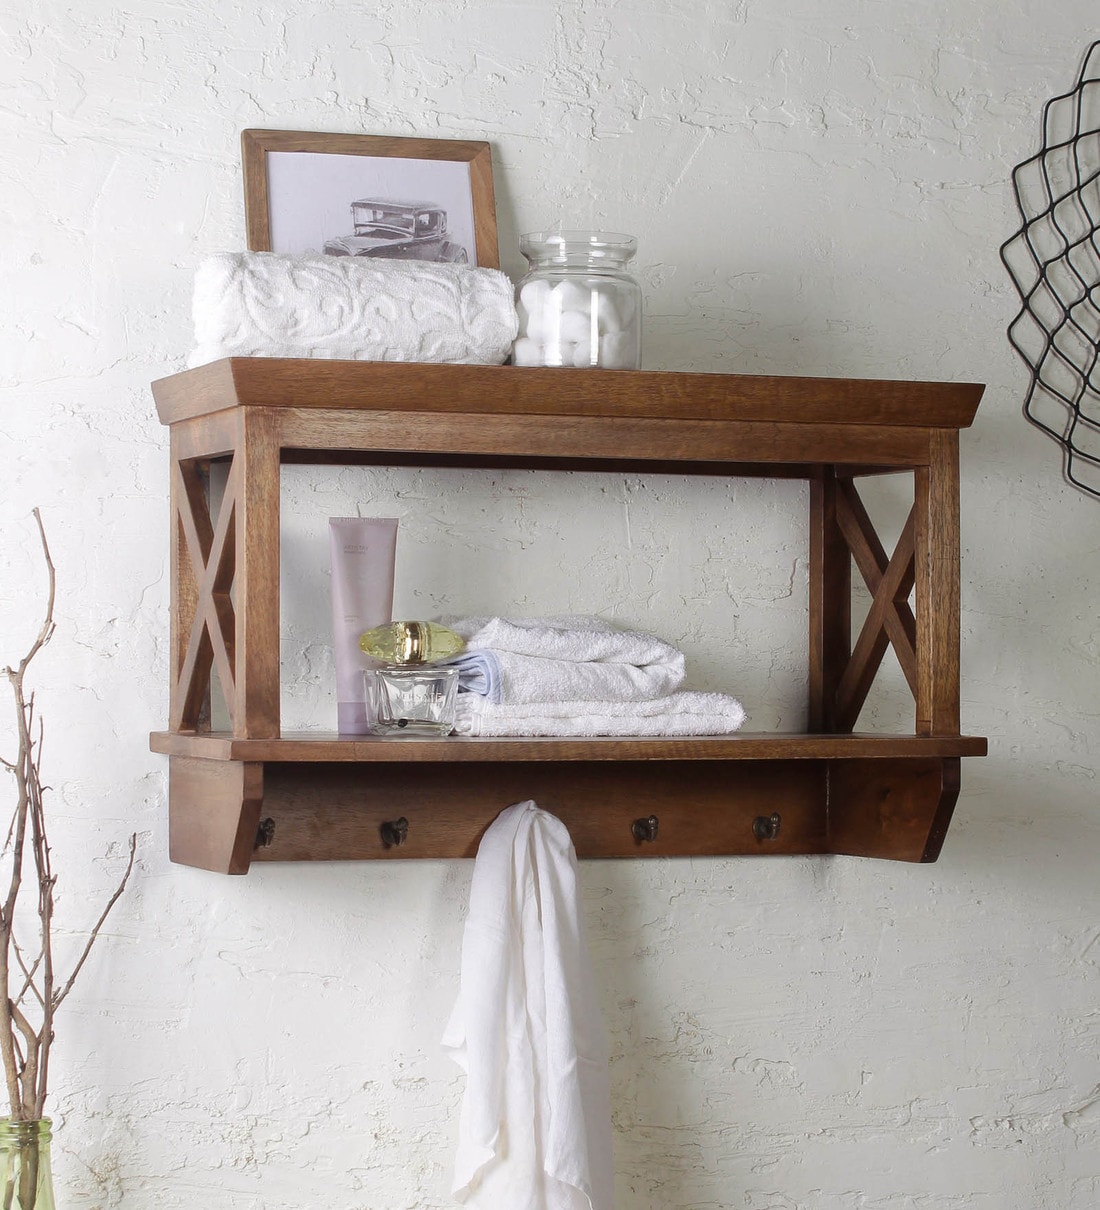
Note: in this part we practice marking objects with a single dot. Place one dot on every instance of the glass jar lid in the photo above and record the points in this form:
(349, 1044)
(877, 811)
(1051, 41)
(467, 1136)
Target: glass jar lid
(589, 249)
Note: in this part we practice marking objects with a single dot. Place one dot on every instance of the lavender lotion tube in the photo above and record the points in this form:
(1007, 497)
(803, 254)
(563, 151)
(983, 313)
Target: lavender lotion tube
(364, 550)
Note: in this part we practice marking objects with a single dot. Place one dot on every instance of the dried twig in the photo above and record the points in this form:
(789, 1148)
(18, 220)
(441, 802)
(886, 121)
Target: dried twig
(28, 985)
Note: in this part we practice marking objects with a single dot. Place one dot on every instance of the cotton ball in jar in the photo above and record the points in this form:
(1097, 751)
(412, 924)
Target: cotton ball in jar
(527, 352)
(532, 307)
(608, 315)
(560, 353)
(617, 351)
(533, 296)
(569, 296)
(576, 326)
(586, 356)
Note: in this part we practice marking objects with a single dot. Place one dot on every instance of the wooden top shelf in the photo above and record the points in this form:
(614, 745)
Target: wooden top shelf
(279, 382)
(393, 413)
(744, 745)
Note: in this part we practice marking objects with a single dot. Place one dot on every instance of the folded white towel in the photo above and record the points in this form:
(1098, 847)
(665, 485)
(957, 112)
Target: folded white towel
(478, 672)
(260, 304)
(684, 713)
(535, 1123)
(573, 658)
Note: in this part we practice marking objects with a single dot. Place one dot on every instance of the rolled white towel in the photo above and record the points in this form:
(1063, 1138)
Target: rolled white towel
(261, 304)
(685, 713)
(573, 658)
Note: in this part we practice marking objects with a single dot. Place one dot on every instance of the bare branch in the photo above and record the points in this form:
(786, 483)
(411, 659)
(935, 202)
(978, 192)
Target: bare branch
(29, 1071)
(62, 992)
(25, 1050)
(46, 632)
(29, 984)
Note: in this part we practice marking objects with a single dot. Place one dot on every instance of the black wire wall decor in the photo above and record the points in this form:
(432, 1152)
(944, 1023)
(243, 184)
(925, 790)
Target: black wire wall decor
(1054, 262)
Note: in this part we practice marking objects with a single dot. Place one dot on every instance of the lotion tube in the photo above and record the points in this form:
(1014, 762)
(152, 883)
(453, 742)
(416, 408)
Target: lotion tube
(364, 550)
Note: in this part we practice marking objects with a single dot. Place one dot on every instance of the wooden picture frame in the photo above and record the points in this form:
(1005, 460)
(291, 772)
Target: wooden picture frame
(299, 187)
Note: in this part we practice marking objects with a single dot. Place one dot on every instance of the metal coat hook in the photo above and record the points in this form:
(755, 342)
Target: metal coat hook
(766, 827)
(265, 833)
(394, 832)
(645, 829)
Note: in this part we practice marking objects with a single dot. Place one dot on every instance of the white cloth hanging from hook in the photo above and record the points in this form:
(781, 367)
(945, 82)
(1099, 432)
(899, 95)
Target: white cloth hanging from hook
(535, 1124)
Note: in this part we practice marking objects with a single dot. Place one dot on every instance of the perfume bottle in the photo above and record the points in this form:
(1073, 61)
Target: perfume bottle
(411, 643)
(411, 699)
(410, 693)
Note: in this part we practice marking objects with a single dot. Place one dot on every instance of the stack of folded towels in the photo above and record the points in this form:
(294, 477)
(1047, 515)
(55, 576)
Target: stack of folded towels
(578, 675)
(355, 308)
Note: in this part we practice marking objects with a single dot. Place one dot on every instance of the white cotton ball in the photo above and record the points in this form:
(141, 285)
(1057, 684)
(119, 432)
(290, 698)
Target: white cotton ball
(582, 356)
(534, 309)
(575, 326)
(533, 295)
(568, 296)
(527, 352)
(548, 325)
(536, 327)
(617, 351)
(608, 315)
(560, 353)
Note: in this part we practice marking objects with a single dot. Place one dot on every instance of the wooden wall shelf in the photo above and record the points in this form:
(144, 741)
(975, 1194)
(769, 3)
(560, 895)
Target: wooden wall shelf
(254, 793)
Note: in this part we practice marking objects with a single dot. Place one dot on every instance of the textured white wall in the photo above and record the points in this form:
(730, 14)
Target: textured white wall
(818, 187)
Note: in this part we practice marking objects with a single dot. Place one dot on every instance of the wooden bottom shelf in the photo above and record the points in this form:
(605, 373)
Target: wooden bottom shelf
(318, 797)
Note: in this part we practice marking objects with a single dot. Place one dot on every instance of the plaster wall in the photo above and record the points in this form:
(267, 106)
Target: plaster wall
(818, 187)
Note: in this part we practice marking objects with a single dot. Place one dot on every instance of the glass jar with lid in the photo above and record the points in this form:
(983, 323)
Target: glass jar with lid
(578, 306)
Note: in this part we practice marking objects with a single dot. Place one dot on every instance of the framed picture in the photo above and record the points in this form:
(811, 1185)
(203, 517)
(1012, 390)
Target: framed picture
(361, 195)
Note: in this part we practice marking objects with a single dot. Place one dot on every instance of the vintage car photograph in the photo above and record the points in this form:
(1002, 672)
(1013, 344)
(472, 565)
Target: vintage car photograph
(398, 230)
(358, 195)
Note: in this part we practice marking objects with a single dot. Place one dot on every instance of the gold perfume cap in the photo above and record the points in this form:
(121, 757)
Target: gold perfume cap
(411, 643)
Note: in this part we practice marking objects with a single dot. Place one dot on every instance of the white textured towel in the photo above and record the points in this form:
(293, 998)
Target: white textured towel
(685, 713)
(573, 658)
(260, 304)
(535, 1123)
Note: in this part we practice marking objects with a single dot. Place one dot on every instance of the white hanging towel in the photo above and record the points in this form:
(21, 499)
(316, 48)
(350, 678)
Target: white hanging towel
(535, 1124)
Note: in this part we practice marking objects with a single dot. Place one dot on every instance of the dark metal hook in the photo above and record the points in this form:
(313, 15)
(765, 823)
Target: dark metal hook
(265, 833)
(645, 829)
(766, 827)
(394, 832)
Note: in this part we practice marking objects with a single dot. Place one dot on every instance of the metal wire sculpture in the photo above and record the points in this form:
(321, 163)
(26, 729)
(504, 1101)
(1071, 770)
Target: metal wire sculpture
(1054, 262)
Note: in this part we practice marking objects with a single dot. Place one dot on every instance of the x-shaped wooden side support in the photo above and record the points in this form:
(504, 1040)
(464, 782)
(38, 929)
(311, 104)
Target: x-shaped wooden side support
(211, 640)
(889, 621)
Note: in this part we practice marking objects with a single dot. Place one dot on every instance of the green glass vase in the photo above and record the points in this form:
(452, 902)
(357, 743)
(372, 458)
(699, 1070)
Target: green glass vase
(26, 1181)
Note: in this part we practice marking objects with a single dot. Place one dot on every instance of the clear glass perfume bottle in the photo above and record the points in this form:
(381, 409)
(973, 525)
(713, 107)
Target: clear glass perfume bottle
(411, 699)
(410, 693)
